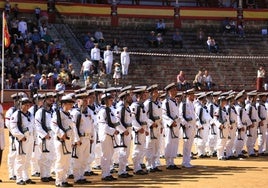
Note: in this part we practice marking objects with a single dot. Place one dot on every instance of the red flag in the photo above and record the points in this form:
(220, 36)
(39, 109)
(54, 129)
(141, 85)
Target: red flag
(6, 33)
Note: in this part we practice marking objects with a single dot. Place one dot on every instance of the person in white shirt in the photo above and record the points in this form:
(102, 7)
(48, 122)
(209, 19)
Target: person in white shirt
(95, 57)
(125, 61)
(86, 69)
(108, 59)
(260, 78)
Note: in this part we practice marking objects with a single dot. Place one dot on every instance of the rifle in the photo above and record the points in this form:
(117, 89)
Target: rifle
(19, 123)
(152, 118)
(64, 148)
(44, 127)
(110, 124)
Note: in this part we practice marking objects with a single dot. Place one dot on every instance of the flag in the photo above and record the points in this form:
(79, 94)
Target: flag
(6, 33)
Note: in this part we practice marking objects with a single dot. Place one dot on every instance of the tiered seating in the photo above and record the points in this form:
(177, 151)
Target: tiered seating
(227, 73)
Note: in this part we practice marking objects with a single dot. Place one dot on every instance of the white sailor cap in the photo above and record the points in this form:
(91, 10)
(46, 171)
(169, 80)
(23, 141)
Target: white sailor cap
(152, 87)
(25, 100)
(66, 99)
(170, 86)
(81, 95)
(124, 94)
(106, 95)
(189, 91)
(128, 87)
(17, 96)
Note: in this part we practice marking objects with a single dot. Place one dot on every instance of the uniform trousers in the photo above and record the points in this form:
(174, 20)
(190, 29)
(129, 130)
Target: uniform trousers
(138, 151)
(46, 158)
(106, 157)
(11, 157)
(171, 144)
(251, 140)
(231, 141)
(212, 140)
(239, 142)
(34, 159)
(151, 150)
(22, 162)
(262, 138)
(80, 163)
(125, 68)
(63, 161)
(187, 144)
(221, 142)
(124, 154)
(201, 142)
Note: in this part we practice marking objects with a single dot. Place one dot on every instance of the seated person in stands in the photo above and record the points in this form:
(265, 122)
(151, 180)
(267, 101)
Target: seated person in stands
(198, 80)
(240, 30)
(177, 39)
(161, 27)
(151, 40)
(207, 80)
(115, 44)
(160, 40)
(182, 82)
(212, 45)
(226, 27)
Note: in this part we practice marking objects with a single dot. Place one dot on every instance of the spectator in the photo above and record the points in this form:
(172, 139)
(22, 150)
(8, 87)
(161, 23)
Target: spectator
(117, 73)
(95, 57)
(125, 61)
(200, 36)
(16, 11)
(207, 79)
(37, 12)
(240, 30)
(22, 27)
(177, 39)
(260, 78)
(98, 34)
(14, 26)
(182, 82)
(19, 84)
(212, 45)
(60, 86)
(7, 7)
(161, 27)
(160, 40)
(115, 44)
(86, 68)
(50, 81)
(198, 80)
(43, 82)
(151, 39)
(89, 44)
(108, 59)
(32, 86)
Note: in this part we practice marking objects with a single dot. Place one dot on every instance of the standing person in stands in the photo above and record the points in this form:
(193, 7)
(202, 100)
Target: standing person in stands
(260, 78)
(108, 59)
(161, 27)
(95, 57)
(125, 61)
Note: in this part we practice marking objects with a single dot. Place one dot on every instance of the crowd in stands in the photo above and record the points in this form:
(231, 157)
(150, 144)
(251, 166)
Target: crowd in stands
(34, 60)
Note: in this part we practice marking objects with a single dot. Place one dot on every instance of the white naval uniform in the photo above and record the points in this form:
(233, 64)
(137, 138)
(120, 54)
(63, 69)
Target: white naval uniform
(125, 61)
(46, 159)
(86, 130)
(36, 150)
(171, 133)
(189, 121)
(108, 60)
(63, 161)
(138, 138)
(232, 127)
(124, 152)
(212, 137)
(252, 132)
(243, 121)
(152, 141)
(220, 120)
(22, 162)
(11, 149)
(262, 129)
(203, 125)
(106, 133)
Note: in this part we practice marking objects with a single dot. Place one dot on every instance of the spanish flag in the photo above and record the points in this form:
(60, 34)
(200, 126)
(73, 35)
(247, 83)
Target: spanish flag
(5, 32)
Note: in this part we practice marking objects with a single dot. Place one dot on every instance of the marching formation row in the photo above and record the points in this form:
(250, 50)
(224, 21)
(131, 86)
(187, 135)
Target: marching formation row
(69, 134)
